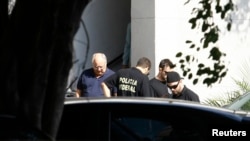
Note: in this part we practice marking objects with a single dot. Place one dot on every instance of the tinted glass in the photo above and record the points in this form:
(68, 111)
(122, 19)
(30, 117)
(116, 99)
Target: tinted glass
(159, 124)
(241, 103)
(246, 106)
(84, 122)
(141, 129)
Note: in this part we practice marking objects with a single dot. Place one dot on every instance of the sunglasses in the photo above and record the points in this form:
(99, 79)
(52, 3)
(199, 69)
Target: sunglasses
(174, 86)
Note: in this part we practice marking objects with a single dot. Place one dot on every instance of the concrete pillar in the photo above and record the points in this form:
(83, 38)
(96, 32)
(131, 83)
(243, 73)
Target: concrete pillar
(159, 30)
(143, 31)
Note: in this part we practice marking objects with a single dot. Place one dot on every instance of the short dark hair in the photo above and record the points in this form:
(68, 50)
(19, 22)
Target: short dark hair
(166, 62)
(144, 62)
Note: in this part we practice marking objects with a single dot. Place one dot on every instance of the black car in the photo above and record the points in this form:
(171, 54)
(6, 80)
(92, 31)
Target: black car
(148, 119)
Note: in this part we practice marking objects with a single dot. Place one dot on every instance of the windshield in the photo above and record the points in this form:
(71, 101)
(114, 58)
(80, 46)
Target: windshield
(242, 103)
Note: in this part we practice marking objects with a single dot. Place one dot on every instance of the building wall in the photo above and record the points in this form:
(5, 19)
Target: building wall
(160, 29)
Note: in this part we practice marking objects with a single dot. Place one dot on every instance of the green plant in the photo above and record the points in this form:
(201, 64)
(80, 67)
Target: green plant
(243, 87)
(229, 97)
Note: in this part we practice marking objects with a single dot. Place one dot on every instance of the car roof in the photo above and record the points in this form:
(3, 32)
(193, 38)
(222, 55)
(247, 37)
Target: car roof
(153, 101)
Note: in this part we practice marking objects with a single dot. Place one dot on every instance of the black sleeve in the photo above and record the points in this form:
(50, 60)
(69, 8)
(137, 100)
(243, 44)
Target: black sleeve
(111, 80)
(193, 96)
(145, 89)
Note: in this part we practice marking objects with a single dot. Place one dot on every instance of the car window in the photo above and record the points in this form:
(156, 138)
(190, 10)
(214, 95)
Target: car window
(241, 103)
(83, 122)
(246, 106)
(141, 127)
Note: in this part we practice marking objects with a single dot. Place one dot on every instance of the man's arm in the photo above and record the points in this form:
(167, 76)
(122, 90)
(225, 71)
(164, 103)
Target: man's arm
(105, 89)
(146, 89)
(114, 91)
(78, 93)
(193, 96)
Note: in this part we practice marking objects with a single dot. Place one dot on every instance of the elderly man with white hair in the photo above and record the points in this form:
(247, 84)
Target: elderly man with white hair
(89, 83)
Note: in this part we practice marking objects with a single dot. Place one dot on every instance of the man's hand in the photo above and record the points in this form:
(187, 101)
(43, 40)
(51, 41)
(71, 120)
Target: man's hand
(105, 89)
(78, 93)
